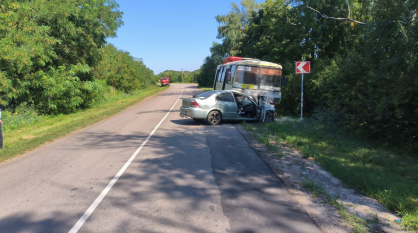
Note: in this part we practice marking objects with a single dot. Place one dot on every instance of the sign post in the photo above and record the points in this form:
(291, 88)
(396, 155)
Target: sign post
(302, 67)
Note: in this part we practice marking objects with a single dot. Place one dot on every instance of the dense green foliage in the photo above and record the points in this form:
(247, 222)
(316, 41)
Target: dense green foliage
(122, 71)
(179, 76)
(363, 67)
(52, 54)
(208, 70)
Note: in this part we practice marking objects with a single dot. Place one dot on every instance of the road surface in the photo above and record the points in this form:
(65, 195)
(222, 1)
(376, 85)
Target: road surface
(147, 170)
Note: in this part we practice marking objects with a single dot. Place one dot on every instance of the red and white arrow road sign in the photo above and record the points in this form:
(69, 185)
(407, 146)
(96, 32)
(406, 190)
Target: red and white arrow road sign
(303, 67)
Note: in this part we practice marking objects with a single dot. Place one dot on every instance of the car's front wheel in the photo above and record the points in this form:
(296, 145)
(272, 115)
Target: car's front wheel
(214, 118)
(269, 117)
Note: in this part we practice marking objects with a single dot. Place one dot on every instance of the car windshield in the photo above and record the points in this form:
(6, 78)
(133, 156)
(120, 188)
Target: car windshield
(207, 94)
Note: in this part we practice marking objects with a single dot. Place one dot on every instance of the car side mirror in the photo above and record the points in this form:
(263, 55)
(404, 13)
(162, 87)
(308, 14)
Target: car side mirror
(285, 80)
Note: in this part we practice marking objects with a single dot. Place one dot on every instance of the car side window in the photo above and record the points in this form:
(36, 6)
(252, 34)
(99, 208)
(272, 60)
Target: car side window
(225, 97)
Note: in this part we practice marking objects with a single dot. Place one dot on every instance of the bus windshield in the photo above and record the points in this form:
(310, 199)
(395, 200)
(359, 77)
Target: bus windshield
(257, 78)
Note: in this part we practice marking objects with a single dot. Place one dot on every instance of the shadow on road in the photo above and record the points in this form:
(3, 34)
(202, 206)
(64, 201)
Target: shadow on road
(191, 122)
(186, 173)
(27, 222)
(188, 122)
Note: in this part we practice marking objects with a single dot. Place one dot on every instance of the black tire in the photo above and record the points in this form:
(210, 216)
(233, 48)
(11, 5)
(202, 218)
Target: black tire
(214, 118)
(269, 117)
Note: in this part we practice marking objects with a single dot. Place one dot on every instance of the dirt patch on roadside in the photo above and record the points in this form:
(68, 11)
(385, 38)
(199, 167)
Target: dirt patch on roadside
(296, 172)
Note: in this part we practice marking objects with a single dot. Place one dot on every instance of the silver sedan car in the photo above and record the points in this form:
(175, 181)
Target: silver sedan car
(215, 106)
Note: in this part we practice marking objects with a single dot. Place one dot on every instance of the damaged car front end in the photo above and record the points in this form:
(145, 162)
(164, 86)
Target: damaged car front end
(215, 106)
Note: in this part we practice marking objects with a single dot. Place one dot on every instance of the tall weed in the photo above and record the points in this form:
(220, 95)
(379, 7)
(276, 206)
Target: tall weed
(23, 115)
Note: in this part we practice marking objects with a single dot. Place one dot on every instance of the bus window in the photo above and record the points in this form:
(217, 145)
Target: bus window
(222, 78)
(217, 74)
(216, 77)
(225, 70)
(231, 79)
(219, 83)
(227, 75)
(269, 78)
(246, 77)
(252, 78)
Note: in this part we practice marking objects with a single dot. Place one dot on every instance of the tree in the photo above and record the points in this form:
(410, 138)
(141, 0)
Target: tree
(179, 76)
(289, 31)
(231, 27)
(375, 89)
(122, 71)
(47, 49)
(207, 71)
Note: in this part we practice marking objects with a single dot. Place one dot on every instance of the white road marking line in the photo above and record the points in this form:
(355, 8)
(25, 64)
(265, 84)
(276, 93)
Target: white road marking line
(102, 195)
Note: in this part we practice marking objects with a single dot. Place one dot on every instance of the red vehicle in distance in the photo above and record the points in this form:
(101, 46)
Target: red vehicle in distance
(165, 81)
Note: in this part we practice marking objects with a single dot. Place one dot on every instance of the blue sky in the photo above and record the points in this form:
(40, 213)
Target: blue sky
(168, 34)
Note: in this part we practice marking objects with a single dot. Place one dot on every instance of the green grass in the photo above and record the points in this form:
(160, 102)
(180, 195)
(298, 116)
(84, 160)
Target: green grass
(24, 132)
(204, 89)
(386, 174)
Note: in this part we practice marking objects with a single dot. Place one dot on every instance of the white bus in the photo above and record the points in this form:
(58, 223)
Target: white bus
(260, 79)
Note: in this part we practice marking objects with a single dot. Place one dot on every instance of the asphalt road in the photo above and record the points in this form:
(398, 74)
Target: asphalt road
(115, 177)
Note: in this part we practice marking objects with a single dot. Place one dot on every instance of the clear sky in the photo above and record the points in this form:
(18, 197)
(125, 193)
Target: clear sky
(169, 34)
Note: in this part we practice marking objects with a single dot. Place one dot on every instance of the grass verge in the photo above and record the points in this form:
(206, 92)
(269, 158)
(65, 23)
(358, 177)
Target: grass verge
(388, 175)
(48, 128)
(204, 89)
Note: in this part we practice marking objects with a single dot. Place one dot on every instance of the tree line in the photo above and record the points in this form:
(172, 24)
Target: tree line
(179, 76)
(363, 58)
(54, 55)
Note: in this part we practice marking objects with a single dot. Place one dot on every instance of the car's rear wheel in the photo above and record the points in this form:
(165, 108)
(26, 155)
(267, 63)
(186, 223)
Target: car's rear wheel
(269, 117)
(214, 118)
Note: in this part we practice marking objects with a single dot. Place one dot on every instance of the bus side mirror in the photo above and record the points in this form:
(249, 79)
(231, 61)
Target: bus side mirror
(285, 80)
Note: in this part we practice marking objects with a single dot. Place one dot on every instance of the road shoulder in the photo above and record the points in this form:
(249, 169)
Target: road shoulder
(295, 172)
(253, 197)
